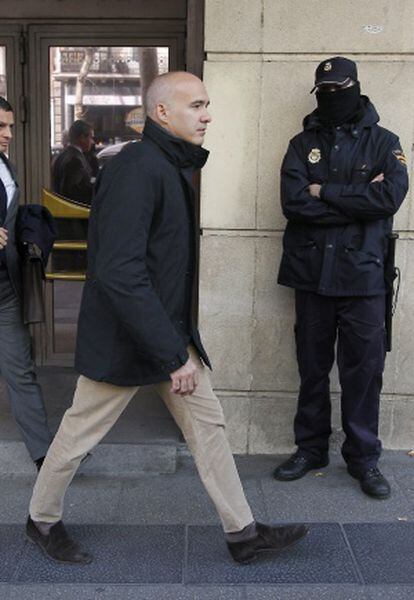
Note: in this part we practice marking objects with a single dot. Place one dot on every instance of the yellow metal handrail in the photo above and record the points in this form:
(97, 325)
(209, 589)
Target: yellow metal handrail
(63, 245)
(66, 276)
(62, 208)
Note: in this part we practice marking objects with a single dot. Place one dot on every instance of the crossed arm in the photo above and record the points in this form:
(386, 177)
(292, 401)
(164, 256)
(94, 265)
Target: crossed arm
(326, 204)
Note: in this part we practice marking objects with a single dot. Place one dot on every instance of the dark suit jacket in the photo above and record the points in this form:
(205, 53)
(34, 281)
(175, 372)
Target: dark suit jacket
(13, 259)
(71, 175)
(135, 318)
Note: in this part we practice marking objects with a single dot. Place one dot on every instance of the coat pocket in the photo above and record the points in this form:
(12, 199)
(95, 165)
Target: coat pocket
(302, 264)
(358, 270)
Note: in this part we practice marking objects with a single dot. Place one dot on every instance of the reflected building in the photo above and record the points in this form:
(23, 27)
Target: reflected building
(110, 93)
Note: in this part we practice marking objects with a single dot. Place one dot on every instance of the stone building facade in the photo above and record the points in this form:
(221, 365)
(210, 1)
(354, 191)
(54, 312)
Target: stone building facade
(259, 67)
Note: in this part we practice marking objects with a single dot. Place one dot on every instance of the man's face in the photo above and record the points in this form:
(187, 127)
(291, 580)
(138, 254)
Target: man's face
(85, 142)
(6, 126)
(186, 115)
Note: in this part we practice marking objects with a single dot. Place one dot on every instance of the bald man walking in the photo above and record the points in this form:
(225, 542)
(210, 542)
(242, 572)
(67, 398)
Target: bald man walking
(137, 324)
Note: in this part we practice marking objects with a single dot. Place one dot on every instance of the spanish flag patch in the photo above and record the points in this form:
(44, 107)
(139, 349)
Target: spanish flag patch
(399, 155)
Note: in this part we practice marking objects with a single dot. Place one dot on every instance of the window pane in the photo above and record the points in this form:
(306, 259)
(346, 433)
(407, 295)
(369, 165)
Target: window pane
(103, 87)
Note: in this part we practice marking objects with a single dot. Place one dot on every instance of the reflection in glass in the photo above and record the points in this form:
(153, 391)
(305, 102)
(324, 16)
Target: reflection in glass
(104, 87)
(96, 107)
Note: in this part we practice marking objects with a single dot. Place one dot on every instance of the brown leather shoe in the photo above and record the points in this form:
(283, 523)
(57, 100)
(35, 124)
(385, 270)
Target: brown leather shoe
(268, 538)
(57, 544)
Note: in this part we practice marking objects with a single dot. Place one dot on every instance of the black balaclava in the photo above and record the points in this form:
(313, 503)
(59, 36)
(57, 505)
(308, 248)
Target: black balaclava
(339, 107)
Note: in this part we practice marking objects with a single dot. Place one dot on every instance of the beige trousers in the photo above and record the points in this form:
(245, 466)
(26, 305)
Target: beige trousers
(97, 406)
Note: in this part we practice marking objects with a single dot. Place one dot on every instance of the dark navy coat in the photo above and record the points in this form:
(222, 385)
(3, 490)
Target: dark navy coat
(136, 316)
(337, 245)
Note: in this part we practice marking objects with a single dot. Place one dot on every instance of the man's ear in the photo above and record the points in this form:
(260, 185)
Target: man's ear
(162, 113)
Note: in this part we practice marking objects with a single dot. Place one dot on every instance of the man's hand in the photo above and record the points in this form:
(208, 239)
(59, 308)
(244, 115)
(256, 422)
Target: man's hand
(378, 179)
(3, 238)
(315, 190)
(184, 380)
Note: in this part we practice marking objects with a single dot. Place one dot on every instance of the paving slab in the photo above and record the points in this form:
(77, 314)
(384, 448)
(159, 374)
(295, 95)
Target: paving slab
(123, 592)
(389, 592)
(128, 460)
(405, 480)
(88, 500)
(171, 592)
(122, 554)
(12, 547)
(4, 591)
(383, 551)
(330, 494)
(307, 592)
(120, 460)
(54, 592)
(176, 498)
(257, 466)
(323, 557)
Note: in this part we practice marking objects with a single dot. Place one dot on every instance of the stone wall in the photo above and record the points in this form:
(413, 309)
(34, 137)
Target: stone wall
(260, 61)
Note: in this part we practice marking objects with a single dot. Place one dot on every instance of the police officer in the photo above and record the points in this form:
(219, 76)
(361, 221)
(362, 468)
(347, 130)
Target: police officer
(342, 180)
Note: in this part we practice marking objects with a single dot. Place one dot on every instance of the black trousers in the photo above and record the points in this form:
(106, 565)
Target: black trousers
(357, 323)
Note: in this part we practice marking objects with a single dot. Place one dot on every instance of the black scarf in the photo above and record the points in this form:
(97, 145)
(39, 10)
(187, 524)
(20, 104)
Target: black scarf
(181, 153)
(339, 107)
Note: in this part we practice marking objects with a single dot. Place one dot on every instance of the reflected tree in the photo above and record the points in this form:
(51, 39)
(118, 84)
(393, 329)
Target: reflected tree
(148, 68)
(80, 81)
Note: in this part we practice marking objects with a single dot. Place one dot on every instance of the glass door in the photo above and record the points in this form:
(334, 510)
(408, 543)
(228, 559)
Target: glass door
(97, 90)
(86, 94)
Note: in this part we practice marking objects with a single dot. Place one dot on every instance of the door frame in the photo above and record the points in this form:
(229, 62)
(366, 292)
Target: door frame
(27, 40)
(11, 39)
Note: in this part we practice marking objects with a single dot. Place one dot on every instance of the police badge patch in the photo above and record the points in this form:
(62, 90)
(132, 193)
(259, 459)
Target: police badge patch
(400, 156)
(314, 156)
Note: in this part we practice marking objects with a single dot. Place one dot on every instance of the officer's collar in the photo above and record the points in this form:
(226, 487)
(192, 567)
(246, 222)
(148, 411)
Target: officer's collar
(179, 152)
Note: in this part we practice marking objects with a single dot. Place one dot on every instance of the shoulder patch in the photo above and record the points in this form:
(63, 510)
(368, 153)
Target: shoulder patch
(400, 156)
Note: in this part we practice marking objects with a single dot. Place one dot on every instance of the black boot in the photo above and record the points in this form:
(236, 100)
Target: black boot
(267, 538)
(373, 483)
(297, 466)
(57, 544)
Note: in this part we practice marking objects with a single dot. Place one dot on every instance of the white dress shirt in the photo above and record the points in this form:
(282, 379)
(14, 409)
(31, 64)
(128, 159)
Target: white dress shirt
(8, 181)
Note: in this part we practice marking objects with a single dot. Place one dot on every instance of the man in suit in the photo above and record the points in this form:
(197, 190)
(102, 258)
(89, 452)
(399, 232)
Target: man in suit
(72, 174)
(137, 323)
(16, 363)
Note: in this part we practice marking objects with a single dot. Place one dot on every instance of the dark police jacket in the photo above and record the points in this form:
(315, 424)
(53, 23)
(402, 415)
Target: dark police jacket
(135, 318)
(337, 245)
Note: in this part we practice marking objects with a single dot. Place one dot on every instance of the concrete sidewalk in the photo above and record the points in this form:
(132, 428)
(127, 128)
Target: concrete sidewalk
(157, 536)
